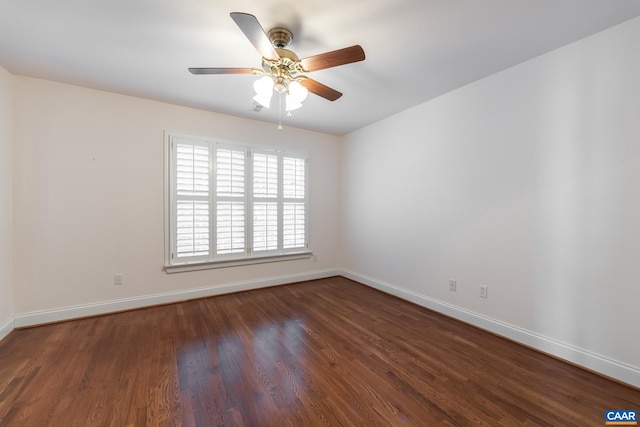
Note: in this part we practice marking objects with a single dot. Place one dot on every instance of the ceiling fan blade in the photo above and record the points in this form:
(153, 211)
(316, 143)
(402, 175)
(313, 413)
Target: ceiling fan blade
(319, 89)
(221, 70)
(333, 59)
(252, 29)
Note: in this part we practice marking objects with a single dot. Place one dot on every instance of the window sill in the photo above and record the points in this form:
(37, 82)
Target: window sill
(194, 266)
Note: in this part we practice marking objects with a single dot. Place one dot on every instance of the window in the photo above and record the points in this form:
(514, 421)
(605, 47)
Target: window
(230, 204)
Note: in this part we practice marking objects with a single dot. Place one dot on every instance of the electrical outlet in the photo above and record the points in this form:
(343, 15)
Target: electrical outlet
(452, 285)
(484, 291)
(118, 279)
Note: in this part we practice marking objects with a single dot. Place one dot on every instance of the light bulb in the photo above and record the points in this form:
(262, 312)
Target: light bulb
(280, 84)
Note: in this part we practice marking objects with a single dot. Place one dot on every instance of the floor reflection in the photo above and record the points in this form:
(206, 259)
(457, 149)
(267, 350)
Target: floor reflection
(262, 360)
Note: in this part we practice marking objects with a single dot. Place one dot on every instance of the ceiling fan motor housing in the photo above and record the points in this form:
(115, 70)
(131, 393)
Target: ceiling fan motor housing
(287, 65)
(280, 37)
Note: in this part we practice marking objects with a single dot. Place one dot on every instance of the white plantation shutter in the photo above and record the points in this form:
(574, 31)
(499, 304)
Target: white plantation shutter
(294, 226)
(192, 167)
(229, 202)
(294, 178)
(230, 173)
(265, 226)
(265, 175)
(192, 205)
(265, 206)
(230, 227)
(294, 222)
(192, 228)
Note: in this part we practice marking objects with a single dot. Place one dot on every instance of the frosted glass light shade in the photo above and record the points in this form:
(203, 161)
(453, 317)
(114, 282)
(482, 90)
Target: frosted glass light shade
(291, 104)
(297, 92)
(264, 91)
(264, 86)
(265, 101)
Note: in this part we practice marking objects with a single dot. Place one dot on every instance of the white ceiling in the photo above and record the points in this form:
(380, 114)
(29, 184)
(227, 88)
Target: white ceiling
(416, 49)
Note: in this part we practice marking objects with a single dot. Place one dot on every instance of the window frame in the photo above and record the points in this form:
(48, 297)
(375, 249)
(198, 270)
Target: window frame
(248, 256)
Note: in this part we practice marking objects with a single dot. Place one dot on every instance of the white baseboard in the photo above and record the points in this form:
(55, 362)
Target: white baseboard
(104, 307)
(587, 359)
(6, 328)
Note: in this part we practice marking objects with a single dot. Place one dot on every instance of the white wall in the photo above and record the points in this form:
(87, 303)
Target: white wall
(88, 194)
(6, 205)
(528, 182)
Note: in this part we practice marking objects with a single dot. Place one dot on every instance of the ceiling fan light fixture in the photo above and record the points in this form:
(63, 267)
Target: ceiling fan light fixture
(282, 70)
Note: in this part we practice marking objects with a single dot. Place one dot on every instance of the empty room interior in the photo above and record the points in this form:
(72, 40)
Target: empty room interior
(279, 213)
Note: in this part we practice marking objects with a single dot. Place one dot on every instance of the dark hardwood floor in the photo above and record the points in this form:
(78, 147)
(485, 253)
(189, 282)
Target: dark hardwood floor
(327, 352)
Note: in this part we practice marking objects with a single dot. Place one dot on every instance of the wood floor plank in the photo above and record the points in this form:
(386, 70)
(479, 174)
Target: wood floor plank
(328, 352)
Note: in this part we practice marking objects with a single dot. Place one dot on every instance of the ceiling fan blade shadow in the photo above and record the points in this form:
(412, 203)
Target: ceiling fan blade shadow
(221, 70)
(252, 29)
(319, 89)
(334, 58)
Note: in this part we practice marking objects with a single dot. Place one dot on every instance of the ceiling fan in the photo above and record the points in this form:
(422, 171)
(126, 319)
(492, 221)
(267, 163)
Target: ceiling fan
(283, 71)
